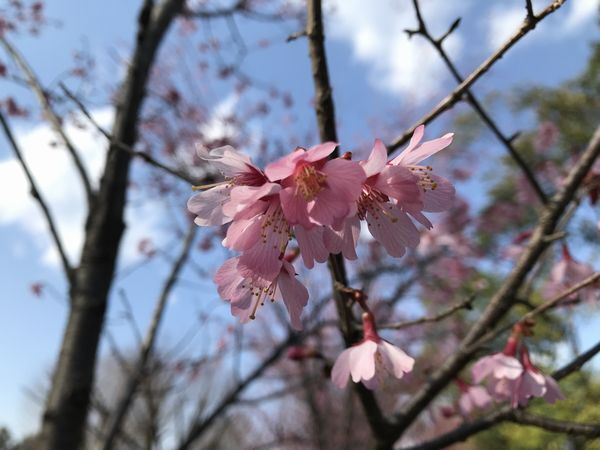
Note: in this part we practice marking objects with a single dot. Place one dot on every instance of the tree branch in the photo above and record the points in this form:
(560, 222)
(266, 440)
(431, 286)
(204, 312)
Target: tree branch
(136, 375)
(65, 415)
(485, 117)
(325, 112)
(588, 430)
(505, 297)
(126, 148)
(51, 115)
(465, 304)
(539, 309)
(37, 195)
(458, 92)
(200, 426)
(505, 413)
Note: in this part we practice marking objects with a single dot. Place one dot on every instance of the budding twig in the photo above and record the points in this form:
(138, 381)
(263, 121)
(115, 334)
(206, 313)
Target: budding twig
(465, 304)
(142, 155)
(477, 106)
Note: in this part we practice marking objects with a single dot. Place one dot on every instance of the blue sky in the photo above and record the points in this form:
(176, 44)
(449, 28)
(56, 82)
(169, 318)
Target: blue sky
(374, 68)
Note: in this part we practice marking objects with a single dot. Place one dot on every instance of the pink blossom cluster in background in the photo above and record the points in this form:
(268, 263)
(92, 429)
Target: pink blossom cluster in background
(318, 201)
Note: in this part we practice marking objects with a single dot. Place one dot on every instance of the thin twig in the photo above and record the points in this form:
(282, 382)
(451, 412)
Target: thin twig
(51, 115)
(438, 44)
(529, 9)
(458, 92)
(539, 309)
(37, 195)
(199, 426)
(465, 304)
(589, 430)
(138, 154)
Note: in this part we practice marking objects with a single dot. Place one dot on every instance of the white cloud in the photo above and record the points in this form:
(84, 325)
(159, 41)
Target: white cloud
(218, 127)
(503, 22)
(580, 12)
(375, 30)
(59, 183)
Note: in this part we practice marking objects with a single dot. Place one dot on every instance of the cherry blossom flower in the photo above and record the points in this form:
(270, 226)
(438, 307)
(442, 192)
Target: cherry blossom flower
(499, 367)
(247, 292)
(259, 229)
(566, 274)
(316, 191)
(437, 192)
(386, 187)
(238, 171)
(530, 383)
(370, 360)
(472, 397)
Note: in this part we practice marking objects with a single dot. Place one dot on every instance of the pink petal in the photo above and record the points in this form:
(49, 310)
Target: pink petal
(372, 383)
(398, 361)
(320, 151)
(480, 396)
(241, 312)
(416, 138)
(226, 159)
(377, 159)
(295, 208)
(395, 233)
(425, 150)
(228, 279)
(506, 367)
(345, 178)
(465, 404)
(293, 293)
(243, 198)
(362, 361)
(327, 208)
(341, 369)
(208, 206)
(284, 167)
(262, 259)
(553, 391)
(532, 384)
(242, 234)
(416, 213)
(481, 369)
(441, 198)
(311, 245)
(345, 240)
(399, 183)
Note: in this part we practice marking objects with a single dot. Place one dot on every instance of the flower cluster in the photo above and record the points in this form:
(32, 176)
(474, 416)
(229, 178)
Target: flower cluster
(512, 376)
(320, 202)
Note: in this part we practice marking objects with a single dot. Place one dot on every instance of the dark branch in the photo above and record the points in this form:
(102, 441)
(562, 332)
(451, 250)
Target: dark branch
(506, 295)
(324, 109)
(557, 426)
(466, 304)
(126, 148)
(463, 432)
(477, 106)
(457, 94)
(37, 195)
(51, 115)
